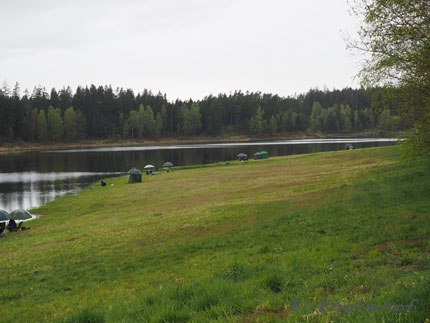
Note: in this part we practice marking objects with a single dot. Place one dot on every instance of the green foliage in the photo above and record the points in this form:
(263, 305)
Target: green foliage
(273, 125)
(416, 141)
(81, 125)
(146, 118)
(214, 118)
(33, 122)
(70, 123)
(55, 124)
(257, 124)
(283, 121)
(42, 129)
(303, 122)
(125, 129)
(141, 120)
(330, 121)
(385, 122)
(158, 125)
(291, 120)
(164, 118)
(192, 120)
(316, 110)
(356, 123)
(316, 116)
(133, 122)
(395, 35)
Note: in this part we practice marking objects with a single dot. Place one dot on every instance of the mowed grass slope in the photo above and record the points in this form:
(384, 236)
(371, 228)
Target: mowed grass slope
(230, 242)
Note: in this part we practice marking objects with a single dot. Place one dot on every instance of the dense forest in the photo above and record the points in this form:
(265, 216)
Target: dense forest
(101, 112)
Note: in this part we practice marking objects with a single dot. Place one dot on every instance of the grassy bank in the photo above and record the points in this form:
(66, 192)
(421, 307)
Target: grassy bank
(233, 242)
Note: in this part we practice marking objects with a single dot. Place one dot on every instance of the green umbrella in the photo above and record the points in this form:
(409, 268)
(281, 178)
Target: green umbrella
(167, 164)
(4, 216)
(21, 215)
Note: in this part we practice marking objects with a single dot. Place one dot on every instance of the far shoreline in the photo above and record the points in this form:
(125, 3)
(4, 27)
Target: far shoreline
(19, 147)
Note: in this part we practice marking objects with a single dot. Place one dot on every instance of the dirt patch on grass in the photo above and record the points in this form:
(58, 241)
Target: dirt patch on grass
(361, 290)
(383, 246)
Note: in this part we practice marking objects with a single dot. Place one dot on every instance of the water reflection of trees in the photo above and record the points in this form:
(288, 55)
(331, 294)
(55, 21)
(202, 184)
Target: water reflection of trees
(31, 194)
(115, 161)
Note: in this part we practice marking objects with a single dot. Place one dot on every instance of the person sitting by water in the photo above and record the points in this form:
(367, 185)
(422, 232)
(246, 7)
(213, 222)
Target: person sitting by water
(2, 228)
(12, 226)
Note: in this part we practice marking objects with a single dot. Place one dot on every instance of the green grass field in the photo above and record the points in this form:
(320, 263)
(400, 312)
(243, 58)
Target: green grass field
(231, 242)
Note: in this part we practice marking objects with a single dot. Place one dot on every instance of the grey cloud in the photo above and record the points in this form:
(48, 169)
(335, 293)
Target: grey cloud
(184, 48)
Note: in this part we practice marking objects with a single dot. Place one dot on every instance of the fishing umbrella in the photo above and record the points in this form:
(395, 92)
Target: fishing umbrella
(4, 216)
(242, 156)
(167, 166)
(148, 169)
(21, 215)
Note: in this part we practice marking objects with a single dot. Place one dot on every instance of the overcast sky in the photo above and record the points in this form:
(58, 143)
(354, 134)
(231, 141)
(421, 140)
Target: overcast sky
(184, 48)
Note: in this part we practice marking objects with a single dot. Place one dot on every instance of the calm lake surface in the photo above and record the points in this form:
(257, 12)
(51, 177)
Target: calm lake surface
(29, 180)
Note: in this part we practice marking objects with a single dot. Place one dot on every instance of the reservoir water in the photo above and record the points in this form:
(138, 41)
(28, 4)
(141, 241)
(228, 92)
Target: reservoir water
(31, 179)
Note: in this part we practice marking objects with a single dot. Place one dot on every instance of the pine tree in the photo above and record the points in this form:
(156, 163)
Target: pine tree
(141, 122)
(81, 125)
(33, 121)
(158, 126)
(125, 129)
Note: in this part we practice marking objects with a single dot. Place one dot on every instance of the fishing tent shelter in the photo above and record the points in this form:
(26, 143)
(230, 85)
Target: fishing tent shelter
(135, 176)
(264, 155)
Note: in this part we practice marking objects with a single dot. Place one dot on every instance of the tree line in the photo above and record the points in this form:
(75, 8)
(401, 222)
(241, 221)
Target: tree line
(101, 112)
